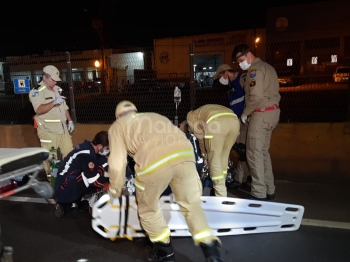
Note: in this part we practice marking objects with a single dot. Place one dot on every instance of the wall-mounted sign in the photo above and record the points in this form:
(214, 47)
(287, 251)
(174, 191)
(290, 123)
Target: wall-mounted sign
(21, 86)
(281, 23)
(164, 57)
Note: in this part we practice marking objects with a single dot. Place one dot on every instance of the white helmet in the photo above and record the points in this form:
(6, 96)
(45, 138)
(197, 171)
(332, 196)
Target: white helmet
(123, 108)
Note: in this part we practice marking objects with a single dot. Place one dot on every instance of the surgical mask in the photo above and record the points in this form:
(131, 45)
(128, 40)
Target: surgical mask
(223, 81)
(244, 65)
(104, 153)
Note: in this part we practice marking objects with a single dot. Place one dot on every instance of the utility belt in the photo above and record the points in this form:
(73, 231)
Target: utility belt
(269, 108)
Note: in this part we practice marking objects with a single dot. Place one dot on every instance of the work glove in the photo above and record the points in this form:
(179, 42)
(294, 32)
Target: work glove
(70, 126)
(244, 119)
(113, 193)
(59, 100)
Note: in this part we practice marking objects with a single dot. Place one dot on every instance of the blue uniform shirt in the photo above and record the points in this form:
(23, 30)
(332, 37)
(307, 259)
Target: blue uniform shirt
(236, 95)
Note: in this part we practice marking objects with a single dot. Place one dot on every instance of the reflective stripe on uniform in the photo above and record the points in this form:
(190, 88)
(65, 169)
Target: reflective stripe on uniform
(236, 101)
(163, 161)
(219, 115)
(162, 236)
(88, 181)
(218, 177)
(198, 237)
(224, 172)
(69, 162)
(208, 136)
(52, 120)
(45, 141)
(41, 88)
(139, 185)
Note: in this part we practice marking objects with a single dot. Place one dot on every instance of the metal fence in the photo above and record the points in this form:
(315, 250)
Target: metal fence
(147, 77)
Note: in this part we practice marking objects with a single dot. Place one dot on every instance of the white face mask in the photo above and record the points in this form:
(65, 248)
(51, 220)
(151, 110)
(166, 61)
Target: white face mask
(223, 81)
(244, 65)
(104, 153)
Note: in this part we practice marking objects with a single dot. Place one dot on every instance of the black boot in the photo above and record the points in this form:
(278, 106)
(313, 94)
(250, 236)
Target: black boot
(212, 251)
(162, 252)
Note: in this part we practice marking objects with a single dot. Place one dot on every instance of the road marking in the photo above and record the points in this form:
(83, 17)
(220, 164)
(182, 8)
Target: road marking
(30, 199)
(304, 222)
(325, 223)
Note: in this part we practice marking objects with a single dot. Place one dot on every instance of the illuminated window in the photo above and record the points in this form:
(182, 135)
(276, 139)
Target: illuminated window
(334, 58)
(289, 61)
(314, 60)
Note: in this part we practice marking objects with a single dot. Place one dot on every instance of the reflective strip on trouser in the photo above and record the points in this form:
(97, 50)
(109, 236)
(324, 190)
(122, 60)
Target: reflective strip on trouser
(52, 120)
(219, 115)
(161, 237)
(219, 150)
(154, 166)
(187, 189)
(217, 177)
(45, 141)
(202, 235)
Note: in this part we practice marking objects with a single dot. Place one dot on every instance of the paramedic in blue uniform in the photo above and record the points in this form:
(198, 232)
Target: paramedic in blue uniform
(262, 110)
(82, 172)
(52, 118)
(235, 81)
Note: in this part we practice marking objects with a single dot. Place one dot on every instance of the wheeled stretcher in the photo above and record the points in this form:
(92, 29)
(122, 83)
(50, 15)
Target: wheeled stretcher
(15, 163)
(18, 162)
(225, 215)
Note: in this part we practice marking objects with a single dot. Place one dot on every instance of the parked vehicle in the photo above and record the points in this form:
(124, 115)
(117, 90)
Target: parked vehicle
(88, 86)
(341, 74)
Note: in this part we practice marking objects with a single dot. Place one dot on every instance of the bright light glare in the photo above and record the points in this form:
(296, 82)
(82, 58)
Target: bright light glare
(97, 63)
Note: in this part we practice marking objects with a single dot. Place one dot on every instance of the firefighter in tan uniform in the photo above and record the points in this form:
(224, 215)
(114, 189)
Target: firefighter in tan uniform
(52, 114)
(262, 99)
(217, 129)
(163, 156)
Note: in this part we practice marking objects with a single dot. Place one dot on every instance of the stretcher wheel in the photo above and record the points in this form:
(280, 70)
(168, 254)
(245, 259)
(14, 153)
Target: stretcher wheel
(44, 189)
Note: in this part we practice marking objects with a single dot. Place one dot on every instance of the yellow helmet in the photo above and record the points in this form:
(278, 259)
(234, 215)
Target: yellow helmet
(123, 108)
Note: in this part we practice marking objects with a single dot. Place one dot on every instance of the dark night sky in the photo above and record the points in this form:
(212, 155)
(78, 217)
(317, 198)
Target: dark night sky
(63, 25)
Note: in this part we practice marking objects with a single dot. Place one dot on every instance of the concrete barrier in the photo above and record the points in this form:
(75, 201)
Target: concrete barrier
(299, 151)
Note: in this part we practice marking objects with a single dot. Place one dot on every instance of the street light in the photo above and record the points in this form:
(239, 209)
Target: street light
(97, 26)
(257, 40)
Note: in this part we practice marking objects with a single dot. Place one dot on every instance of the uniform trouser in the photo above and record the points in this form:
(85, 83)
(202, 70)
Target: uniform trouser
(242, 167)
(71, 190)
(261, 125)
(48, 140)
(225, 131)
(187, 189)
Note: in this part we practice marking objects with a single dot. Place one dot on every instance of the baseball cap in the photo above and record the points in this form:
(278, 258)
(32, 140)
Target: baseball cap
(53, 72)
(222, 68)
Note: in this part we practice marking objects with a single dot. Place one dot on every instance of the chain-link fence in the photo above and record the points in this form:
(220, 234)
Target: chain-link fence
(95, 81)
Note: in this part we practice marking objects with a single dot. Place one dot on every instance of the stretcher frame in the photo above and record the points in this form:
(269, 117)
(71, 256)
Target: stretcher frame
(225, 216)
(16, 163)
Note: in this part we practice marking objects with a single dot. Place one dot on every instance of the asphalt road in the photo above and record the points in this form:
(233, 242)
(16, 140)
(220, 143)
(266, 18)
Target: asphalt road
(37, 235)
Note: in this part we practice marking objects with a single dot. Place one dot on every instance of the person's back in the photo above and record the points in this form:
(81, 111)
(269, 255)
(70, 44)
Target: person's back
(82, 172)
(149, 137)
(217, 129)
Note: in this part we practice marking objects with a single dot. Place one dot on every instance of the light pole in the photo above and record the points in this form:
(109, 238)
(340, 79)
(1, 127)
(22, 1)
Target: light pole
(98, 26)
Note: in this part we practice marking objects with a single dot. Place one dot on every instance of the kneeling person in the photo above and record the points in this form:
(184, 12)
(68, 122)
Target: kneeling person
(82, 172)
